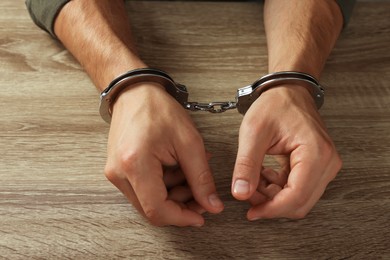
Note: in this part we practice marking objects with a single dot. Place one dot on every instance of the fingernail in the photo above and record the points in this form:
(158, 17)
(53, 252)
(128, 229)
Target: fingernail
(241, 187)
(215, 201)
(254, 219)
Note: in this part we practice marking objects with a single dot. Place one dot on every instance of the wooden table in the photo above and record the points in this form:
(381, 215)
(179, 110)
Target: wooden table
(55, 202)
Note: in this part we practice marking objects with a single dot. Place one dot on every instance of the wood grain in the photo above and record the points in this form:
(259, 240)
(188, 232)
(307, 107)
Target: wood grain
(56, 204)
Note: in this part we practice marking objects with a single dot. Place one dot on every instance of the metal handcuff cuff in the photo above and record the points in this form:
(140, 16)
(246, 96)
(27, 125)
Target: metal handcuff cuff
(244, 98)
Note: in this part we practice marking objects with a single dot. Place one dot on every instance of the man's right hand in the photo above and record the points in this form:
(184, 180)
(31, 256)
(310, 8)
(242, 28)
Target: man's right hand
(150, 132)
(157, 159)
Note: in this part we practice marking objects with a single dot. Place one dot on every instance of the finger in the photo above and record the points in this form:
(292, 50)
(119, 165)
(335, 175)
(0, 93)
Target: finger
(300, 193)
(194, 206)
(145, 176)
(270, 190)
(252, 148)
(173, 177)
(197, 171)
(124, 186)
(277, 177)
(183, 196)
(180, 194)
(275, 208)
(257, 198)
(284, 161)
(286, 203)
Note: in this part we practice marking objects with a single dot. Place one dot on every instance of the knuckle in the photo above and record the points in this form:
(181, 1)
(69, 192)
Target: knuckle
(327, 149)
(244, 164)
(122, 165)
(330, 155)
(128, 160)
(110, 173)
(335, 163)
(338, 163)
(153, 216)
(205, 178)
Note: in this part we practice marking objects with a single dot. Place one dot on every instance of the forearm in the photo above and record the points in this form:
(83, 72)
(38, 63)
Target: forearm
(97, 33)
(301, 34)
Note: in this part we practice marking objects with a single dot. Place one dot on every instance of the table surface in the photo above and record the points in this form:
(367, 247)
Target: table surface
(55, 202)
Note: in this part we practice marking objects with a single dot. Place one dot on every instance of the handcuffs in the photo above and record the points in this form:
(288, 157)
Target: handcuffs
(245, 96)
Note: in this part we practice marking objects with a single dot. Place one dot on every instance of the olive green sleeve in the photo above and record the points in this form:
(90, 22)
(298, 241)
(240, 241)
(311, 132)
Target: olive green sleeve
(44, 12)
(346, 7)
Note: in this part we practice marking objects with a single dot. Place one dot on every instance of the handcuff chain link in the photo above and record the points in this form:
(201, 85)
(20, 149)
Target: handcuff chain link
(212, 107)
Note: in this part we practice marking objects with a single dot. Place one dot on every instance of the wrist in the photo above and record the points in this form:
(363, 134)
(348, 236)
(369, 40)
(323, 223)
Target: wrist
(247, 95)
(136, 94)
(135, 78)
(288, 95)
(139, 90)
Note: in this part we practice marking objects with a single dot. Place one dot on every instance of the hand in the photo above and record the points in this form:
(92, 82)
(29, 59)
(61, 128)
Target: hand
(283, 121)
(157, 159)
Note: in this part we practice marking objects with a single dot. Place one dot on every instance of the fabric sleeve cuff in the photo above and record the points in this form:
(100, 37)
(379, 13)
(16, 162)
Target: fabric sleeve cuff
(346, 7)
(44, 13)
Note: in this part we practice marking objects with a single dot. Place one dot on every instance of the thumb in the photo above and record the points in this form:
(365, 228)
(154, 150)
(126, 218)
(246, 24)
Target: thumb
(251, 151)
